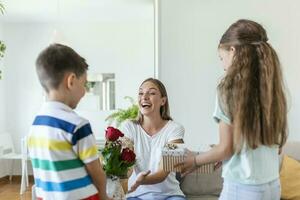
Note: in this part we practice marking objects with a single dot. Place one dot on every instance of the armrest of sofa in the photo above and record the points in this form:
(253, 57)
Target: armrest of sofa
(291, 149)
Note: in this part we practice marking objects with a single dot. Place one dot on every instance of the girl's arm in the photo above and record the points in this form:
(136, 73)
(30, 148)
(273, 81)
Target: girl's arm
(145, 179)
(220, 152)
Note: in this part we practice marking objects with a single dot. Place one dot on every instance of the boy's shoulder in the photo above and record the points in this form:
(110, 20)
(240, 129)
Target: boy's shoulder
(62, 112)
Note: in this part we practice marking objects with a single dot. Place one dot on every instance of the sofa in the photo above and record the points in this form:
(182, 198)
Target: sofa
(209, 186)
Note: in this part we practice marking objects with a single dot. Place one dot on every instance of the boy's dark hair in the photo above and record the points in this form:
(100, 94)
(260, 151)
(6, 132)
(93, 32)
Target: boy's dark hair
(54, 61)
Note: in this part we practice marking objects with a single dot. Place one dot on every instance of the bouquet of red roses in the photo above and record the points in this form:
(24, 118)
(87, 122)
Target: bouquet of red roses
(118, 155)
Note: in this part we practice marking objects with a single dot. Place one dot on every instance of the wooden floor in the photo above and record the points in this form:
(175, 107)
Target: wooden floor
(11, 191)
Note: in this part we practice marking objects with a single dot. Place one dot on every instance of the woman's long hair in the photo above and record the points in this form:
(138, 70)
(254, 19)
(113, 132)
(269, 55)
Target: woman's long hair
(165, 109)
(252, 91)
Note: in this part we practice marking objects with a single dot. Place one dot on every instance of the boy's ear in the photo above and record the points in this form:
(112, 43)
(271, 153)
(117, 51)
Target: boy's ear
(70, 80)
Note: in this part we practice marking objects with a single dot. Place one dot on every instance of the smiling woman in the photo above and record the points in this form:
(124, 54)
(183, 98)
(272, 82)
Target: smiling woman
(153, 129)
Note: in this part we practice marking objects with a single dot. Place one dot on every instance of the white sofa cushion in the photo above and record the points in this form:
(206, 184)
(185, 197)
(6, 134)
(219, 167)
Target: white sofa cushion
(202, 184)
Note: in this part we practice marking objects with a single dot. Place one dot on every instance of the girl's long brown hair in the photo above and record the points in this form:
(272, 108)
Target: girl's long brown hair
(252, 91)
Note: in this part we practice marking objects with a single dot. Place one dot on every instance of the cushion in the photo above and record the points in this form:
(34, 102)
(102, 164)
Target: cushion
(202, 184)
(290, 179)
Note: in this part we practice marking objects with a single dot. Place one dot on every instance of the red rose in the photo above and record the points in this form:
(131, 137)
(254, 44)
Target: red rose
(128, 155)
(112, 134)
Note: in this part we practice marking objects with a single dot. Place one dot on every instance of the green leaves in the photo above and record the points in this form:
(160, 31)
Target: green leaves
(121, 115)
(2, 45)
(112, 163)
(2, 8)
(89, 85)
(2, 48)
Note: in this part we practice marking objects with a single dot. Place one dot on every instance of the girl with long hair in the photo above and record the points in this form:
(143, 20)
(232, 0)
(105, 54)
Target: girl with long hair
(251, 111)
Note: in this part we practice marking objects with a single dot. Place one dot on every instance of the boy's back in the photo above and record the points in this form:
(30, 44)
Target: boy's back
(60, 142)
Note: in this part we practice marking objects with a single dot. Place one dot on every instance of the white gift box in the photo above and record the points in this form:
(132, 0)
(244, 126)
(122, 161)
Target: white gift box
(175, 153)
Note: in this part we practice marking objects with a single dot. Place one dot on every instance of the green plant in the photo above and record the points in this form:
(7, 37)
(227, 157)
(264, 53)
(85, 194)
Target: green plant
(121, 115)
(2, 8)
(2, 45)
(89, 85)
(2, 48)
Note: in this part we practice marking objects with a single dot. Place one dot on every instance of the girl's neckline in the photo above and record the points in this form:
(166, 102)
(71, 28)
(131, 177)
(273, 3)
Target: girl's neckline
(158, 132)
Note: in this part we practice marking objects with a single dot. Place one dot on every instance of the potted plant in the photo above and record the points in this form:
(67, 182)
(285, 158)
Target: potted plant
(90, 86)
(2, 45)
(121, 115)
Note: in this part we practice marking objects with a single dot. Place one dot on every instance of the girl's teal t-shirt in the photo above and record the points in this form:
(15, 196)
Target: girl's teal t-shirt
(250, 166)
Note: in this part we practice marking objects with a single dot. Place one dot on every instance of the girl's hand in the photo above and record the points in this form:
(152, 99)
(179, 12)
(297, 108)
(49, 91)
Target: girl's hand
(217, 165)
(139, 181)
(189, 164)
(280, 151)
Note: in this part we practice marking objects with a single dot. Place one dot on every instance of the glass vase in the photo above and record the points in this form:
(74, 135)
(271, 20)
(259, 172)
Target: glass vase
(114, 188)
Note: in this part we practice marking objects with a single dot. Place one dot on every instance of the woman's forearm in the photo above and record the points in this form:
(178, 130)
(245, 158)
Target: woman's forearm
(156, 177)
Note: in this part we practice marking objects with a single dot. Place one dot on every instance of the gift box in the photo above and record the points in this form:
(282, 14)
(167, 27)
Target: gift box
(175, 153)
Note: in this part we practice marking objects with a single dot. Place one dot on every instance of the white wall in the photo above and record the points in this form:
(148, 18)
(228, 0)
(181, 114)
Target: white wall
(3, 170)
(2, 90)
(189, 32)
(120, 48)
(125, 48)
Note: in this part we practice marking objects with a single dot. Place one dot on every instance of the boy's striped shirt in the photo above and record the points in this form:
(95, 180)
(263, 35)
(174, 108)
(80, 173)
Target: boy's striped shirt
(60, 144)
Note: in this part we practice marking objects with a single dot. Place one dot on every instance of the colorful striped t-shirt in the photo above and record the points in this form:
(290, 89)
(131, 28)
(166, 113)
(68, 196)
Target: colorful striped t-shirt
(60, 144)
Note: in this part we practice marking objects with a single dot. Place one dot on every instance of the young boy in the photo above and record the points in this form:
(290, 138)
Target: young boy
(61, 145)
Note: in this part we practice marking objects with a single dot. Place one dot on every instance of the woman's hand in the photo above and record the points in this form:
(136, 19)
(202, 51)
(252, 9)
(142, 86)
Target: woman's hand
(189, 164)
(139, 181)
